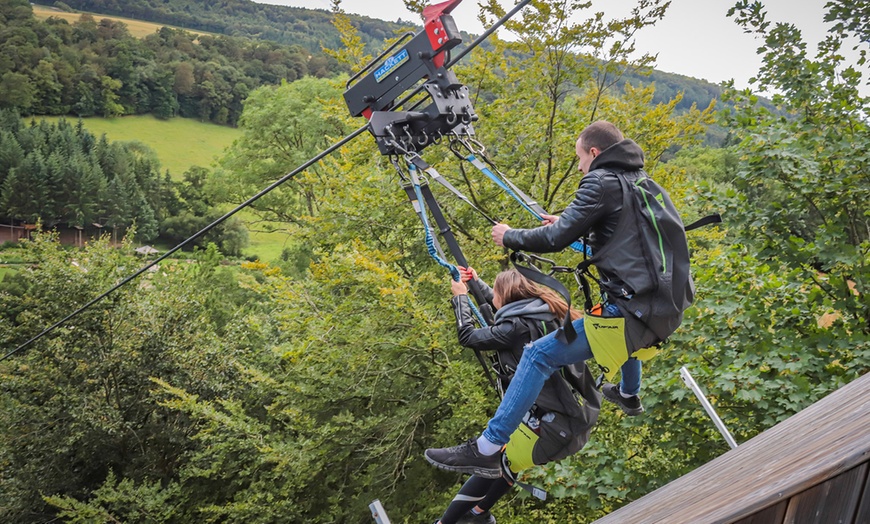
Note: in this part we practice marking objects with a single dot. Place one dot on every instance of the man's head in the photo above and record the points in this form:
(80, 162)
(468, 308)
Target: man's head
(597, 137)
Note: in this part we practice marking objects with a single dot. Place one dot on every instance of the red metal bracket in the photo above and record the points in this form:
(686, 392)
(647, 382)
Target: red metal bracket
(435, 28)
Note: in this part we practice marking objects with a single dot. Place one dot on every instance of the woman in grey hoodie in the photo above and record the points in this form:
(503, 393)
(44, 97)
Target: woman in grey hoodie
(559, 423)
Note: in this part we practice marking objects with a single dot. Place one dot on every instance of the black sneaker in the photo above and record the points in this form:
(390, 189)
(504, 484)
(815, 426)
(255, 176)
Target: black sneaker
(470, 518)
(465, 458)
(631, 405)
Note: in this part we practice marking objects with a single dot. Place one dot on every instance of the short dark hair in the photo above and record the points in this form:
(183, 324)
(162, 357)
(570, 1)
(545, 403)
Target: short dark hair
(601, 135)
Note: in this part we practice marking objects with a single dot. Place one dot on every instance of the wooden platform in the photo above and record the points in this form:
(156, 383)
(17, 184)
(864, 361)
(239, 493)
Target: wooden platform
(811, 468)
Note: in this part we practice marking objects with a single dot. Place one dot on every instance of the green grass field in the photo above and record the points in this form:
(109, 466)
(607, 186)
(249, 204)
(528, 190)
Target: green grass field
(179, 142)
(137, 28)
(266, 246)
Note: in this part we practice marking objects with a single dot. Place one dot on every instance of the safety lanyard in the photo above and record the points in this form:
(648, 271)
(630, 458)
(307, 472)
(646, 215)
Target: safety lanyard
(513, 478)
(476, 152)
(421, 197)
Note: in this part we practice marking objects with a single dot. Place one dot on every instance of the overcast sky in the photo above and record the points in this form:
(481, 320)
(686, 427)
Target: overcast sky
(694, 39)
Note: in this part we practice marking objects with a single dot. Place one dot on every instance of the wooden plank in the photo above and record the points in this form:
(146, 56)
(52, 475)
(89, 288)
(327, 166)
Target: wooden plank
(833, 501)
(864, 508)
(822, 441)
(771, 515)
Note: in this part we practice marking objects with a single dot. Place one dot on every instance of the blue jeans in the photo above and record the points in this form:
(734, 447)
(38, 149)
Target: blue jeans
(541, 359)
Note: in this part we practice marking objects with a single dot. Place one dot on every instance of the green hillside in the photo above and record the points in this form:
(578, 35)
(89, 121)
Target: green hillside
(309, 28)
(312, 29)
(137, 28)
(179, 142)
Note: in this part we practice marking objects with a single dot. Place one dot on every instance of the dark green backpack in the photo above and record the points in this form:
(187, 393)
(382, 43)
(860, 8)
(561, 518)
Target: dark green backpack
(649, 254)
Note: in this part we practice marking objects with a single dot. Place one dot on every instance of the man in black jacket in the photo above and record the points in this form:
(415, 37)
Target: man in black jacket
(603, 155)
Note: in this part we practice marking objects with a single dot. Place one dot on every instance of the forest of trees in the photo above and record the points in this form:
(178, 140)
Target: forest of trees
(63, 175)
(303, 33)
(95, 67)
(301, 389)
(310, 28)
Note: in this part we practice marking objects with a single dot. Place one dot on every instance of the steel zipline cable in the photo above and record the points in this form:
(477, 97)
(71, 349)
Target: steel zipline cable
(246, 203)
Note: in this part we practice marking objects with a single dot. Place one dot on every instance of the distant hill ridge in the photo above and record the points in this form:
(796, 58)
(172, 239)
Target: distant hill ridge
(312, 29)
(309, 28)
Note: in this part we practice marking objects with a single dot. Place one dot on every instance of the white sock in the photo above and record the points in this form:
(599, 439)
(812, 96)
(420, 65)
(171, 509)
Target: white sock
(625, 395)
(486, 447)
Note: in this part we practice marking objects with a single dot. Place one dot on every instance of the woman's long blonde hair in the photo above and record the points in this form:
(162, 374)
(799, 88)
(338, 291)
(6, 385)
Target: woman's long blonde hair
(511, 286)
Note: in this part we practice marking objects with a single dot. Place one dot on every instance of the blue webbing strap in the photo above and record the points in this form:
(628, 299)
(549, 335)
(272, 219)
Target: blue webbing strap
(502, 184)
(532, 207)
(413, 196)
(430, 241)
(419, 195)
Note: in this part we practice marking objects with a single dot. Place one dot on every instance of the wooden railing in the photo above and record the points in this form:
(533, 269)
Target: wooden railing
(810, 468)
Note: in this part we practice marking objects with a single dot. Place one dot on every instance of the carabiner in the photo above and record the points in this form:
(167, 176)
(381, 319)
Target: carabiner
(410, 156)
(481, 150)
(389, 129)
(452, 118)
(532, 259)
(394, 159)
(455, 143)
(466, 116)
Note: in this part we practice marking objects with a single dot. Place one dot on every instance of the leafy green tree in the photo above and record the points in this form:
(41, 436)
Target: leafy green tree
(809, 168)
(323, 448)
(16, 91)
(108, 105)
(200, 211)
(11, 10)
(283, 127)
(85, 29)
(231, 236)
(86, 104)
(184, 79)
(48, 95)
(77, 407)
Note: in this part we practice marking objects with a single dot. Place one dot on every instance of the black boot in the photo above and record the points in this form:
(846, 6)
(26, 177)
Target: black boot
(631, 405)
(465, 458)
